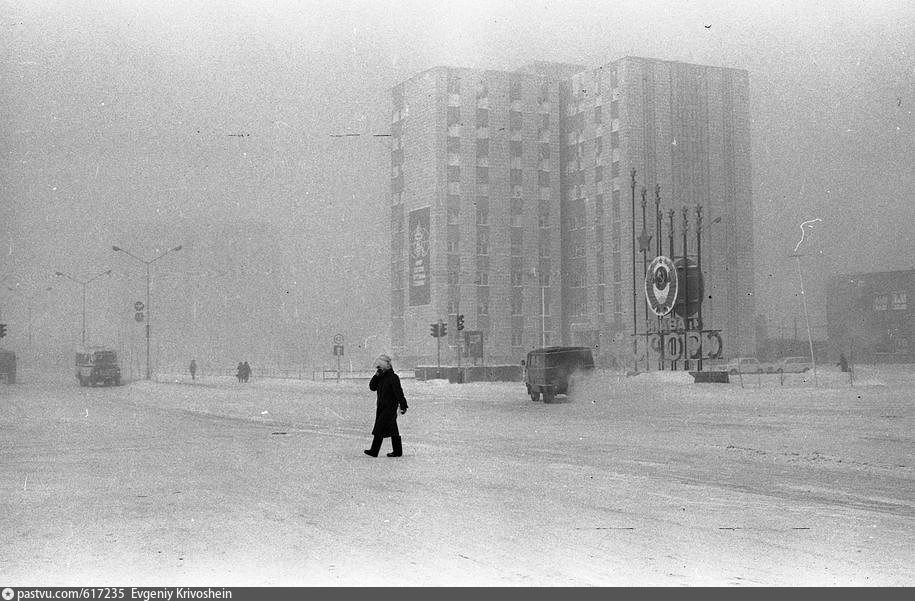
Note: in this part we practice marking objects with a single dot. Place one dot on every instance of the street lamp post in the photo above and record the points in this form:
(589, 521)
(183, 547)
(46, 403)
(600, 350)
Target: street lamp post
(83, 284)
(148, 309)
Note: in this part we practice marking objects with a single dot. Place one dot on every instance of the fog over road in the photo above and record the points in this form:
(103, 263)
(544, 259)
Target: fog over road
(632, 482)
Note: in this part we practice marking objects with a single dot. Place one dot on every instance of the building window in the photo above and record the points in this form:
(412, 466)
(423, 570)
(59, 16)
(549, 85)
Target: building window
(482, 241)
(545, 246)
(514, 91)
(615, 109)
(454, 85)
(454, 188)
(543, 273)
(543, 178)
(482, 117)
(516, 302)
(454, 215)
(517, 275)
(454, 115)
(514, 120)
(482, 211)
(454, 173)
(515, 176)
(597, 114)
(616, 204)
(543, 219)
(516, 191)
(517, 340)
(482, 175)
(453, 144)
(598, 173)
(454, 245)
(514, 148)
(614, 139)
(483, 147)
(900, 302)
(881, 302)
(515, 241)
(545, 121)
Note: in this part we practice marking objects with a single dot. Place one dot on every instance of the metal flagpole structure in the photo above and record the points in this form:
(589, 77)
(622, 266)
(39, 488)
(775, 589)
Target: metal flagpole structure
(670, 239)
(635, 323)
(685, 285)
(658, 217)
(699, 269)
(644, 247)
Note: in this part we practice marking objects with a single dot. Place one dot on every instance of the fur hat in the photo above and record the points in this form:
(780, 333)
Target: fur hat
(383, 361)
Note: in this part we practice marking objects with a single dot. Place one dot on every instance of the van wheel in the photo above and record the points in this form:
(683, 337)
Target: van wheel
(535, 395)
(548, 396)
(82, 381)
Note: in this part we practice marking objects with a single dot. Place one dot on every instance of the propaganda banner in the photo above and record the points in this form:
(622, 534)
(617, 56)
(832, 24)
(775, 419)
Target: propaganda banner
(420, 264)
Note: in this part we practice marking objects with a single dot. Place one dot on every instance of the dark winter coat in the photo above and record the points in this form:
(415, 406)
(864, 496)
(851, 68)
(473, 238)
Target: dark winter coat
(390, 397)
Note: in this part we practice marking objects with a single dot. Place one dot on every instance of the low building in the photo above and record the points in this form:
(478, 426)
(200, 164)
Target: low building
(869, 317)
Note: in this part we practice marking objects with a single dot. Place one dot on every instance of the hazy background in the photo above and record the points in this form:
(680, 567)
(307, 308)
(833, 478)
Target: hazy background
(208, 124)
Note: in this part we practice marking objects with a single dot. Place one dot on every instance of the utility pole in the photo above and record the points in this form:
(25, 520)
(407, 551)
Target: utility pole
(800, 277)
(83, 283)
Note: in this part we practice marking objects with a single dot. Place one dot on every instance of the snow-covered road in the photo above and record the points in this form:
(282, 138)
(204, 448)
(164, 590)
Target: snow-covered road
(640, 480)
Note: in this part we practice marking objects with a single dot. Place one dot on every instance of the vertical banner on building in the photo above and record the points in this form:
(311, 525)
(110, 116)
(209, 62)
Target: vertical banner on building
(420, 265)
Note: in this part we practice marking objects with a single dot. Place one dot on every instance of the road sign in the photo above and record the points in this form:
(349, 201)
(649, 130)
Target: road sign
(338, 338)
(139, 316)
(661, 285)
(338, 350)
(138, 306)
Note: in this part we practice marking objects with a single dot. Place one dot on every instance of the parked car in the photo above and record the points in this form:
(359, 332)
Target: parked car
(98, 365)
(744, 365)
(795, 365)
(550, 370)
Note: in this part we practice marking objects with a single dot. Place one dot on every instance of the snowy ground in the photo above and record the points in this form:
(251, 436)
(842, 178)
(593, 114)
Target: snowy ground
(645, 480)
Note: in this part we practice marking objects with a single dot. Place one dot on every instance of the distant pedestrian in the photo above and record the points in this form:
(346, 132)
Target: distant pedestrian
(390, 396)
(240, 372)
(247, 372)
(193, 369)
(843, 362)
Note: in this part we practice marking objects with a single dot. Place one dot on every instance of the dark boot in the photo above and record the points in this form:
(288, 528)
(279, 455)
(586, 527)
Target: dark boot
(376, 446)
(398, 450)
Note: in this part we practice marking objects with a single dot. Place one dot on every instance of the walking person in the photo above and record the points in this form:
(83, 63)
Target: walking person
(193, 369)
(843, 362)
(240, 372)
(247, 373)
(390, 395)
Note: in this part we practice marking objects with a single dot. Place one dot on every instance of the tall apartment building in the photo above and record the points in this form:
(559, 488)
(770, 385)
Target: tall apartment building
(510, 199)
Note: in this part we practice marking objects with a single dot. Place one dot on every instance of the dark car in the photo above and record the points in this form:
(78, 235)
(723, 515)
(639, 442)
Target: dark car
(548, 371)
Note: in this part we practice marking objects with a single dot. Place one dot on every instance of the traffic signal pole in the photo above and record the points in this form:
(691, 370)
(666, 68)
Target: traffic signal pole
(438, 344)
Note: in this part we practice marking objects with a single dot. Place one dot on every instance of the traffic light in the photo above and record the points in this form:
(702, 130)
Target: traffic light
(433, 330)
(2, 330)
(460, 322)
(442, 329)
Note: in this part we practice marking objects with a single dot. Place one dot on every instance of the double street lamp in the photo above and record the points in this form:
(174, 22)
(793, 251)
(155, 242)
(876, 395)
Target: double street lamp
(148, 310)
(30, 304)
(83, 284)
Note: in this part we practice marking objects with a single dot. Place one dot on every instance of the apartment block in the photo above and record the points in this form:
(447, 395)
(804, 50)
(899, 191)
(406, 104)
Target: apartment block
(511, 200)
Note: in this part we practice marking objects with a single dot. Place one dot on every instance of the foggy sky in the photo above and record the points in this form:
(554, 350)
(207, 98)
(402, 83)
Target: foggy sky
(120, 114)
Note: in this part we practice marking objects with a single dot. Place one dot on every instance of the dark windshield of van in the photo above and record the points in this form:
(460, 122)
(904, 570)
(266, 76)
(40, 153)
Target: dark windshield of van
(106, 358)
